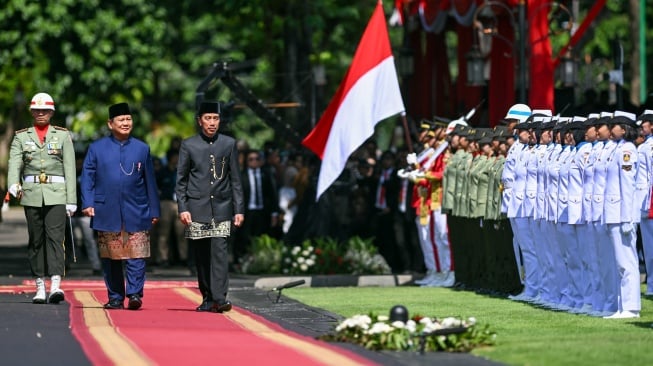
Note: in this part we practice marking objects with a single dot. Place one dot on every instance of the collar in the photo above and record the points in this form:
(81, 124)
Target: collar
(114, 139)
(209, 139)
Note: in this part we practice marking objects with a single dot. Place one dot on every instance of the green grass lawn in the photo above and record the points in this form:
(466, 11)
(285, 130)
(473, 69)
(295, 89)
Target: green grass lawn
(526, 335)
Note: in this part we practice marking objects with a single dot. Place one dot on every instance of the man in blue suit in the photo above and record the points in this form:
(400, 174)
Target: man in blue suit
(120, 195)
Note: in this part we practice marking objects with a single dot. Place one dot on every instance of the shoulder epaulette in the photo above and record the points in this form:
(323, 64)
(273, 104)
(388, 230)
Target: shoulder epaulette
(21, 131)
(60, 128)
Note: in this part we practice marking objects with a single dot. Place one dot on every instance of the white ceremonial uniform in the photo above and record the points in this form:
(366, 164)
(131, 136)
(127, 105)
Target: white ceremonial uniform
(552, 255)
(542, 234)
(507, 196)
(564, 233)
(607, 298)
(570, 194)
(519, 222)
(643, 184)
(508, 175)
(619, 216)
(592, 239)
(530, 254)
(580, 200)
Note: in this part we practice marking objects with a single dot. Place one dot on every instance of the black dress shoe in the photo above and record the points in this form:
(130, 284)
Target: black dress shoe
(135, 302)
(206, 305)
(114, 304)
(221, 306)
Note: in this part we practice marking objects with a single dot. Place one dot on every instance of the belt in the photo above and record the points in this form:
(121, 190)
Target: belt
(44, 179)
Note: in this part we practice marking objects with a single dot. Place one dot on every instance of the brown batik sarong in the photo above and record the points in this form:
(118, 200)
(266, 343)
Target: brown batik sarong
(124, 245)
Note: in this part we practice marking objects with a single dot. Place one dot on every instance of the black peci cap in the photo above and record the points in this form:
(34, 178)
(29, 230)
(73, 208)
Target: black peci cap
(119, 109)
(209, 107)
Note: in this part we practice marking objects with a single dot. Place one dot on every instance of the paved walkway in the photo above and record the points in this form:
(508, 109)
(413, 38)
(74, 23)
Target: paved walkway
(22, 340)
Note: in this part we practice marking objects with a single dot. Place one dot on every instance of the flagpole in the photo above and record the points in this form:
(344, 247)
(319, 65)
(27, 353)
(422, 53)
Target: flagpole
(409, 141)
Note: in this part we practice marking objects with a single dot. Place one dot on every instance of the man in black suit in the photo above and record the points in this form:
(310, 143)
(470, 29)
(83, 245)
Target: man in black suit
(261, 203)
(210, 198)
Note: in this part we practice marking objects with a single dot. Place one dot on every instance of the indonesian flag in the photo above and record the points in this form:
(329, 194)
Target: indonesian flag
(368, 94)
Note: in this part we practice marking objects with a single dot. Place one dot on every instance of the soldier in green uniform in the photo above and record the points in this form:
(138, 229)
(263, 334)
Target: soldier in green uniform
(458, 221)
(478, 194)
(42, 176)
(494, 225)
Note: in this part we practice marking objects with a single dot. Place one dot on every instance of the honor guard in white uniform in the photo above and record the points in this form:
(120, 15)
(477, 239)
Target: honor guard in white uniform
(644, 183)
(542, 233)
(556, 275)
(518, 112)
(584, 166)
(605, 298)
(619, 214)
(571, 217)
(519, 215)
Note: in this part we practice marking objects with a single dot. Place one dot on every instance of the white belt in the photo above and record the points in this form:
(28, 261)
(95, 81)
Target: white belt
(44, 179)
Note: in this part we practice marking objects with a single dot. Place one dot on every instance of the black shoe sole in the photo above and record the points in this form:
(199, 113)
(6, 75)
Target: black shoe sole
(56, 298)
(38, 301)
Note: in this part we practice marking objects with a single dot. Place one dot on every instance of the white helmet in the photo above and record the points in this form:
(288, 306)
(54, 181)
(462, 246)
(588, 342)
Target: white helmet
(519, 112)
(42, 101)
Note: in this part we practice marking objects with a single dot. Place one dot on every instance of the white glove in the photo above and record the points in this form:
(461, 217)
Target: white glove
(401, 173)
(627, 227)
(14, 189)
(415, 175)
(71, 209)
(411, 159)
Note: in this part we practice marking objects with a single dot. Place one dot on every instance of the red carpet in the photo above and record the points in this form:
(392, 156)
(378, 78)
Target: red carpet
(168, 331)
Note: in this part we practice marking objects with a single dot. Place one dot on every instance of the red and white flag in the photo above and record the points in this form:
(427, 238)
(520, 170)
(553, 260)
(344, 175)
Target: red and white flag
(368, 94)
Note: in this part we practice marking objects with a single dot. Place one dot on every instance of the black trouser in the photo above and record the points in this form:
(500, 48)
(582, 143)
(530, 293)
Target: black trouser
(410, 251)
(457, 240)
(46, 228)
(212, 262)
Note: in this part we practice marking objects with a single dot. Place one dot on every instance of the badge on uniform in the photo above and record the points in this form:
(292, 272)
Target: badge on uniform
(54, 148)
(626, 157)
(626, 167)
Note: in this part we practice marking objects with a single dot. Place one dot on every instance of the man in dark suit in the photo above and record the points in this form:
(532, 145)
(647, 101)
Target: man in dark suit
(261, 203)
(210, 198)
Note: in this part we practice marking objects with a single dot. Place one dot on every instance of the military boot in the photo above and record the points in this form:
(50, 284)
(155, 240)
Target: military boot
(39, 298)
(56, 294)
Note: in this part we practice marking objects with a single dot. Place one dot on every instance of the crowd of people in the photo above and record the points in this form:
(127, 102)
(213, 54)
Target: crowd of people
(548, 209)
(544, 207)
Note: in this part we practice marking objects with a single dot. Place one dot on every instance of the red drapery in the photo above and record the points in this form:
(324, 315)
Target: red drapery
(432, 91)
(540, 91)
(503, 58)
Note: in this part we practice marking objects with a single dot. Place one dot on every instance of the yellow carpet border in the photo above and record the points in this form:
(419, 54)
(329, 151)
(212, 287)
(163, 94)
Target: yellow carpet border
(115, 346)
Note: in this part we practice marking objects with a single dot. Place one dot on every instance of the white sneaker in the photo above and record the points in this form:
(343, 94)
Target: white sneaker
(623, 315)
(436, 280)
(449, 279)
(39, 298)
(430, 275)
(56, 294)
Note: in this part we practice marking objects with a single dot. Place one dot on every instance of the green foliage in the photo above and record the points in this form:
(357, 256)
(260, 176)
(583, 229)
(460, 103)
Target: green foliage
(322, 256)
(265, 256)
